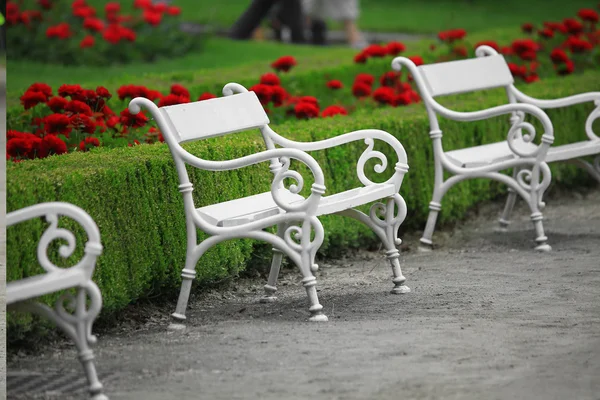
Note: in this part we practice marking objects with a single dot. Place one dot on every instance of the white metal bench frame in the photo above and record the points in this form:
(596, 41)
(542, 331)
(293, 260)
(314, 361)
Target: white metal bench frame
(76, 324)
(294, 216)
(533, 174)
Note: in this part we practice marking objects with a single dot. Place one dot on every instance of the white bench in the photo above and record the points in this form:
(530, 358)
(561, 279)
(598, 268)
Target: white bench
(75, 318)
(299, 231)
(531, 174)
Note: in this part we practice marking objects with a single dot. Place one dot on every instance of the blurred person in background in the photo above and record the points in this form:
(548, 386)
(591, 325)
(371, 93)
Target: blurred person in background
(346, 11)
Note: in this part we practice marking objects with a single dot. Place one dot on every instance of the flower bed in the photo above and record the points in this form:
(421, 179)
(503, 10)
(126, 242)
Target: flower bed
(77, 34)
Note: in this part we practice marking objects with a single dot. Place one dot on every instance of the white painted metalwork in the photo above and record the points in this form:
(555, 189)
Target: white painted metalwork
(299, 231)
(74, 314)
(531, 173)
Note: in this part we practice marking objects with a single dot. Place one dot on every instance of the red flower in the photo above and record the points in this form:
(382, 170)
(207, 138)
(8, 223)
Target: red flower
(367, 79)
(45, 4)
(507, 51)
(31, 99)
(527, 27)
(403, 99)
(556, 27)
(361, 58)
(270, 79)
(577, 45)
(173, 99)
(73, 91)
(489, 43)
(78, 107)
(335, 84)
(83, 123)
(112, 8)
(115, 32)
(138, 120)
(384, 95)
(389, 78)
(206, 96)
(152, 17)
(263, 92)
(87, 41)
(524, 45)
(517, 70)
(93, 24)
(61, 31)
(460, 51)
(333, 110)
(142, 3)
(533, 77)
(180, 90)
(565, 69)
(132, 91)
(546, 33)
(173, 10)
(452, 35)
(361, 89)
(24, 145)
(88, 143)
(103, 92)
(40, 87)
(57, 104)
(588, 14)
(284, 63)
(111, 122)
(57, 123)
(573, 26)
(417, 60)
(51, 144)
(403, 87)
(395, 48)
(305, 109)
(558, 56)
(375, 50)
(278, 95)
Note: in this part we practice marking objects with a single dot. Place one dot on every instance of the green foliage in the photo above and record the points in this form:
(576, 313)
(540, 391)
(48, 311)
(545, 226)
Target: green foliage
(132, 194)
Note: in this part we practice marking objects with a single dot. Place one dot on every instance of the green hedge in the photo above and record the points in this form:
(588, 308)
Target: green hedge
(132, 194)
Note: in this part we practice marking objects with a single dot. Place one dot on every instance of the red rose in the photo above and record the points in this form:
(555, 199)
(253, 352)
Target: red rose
(45, 4)
(93, 24)
(452, 35)
(142, 3)
(57, 123)
(138, 120)
(533, 77)
(31, 99)
(51, 144)
(507, 51)
(270, 79)
(527, 27)
(132, 91)
(57, 104)
(389, 78)
(83, 123)
(361, 58)
(180, 90)
(60, 31)
(546, 33)
(577, 45)
(309, 99)
(403, 99)
(112, 122)
(460, 51)
(112, 8)
(263, 92)
(489, 43)
(588, 14)
(173, 10)
(152, 17)
(78, 107)
(361, 89)
(395, 48)
(375, 50)
(573, 26)
(305, 110)
(88, 143)
(384, 95)
(417, 60)
(565, 69)
(87, 41)
(84, 12)
(284, 63)
(73, 91)
(206, 96)
(24, 146)
(333, 110)
(367, 79)
(40, 87)
(173, 99)
(278, 95)
(335, 84)
(103, 92)
(517, 70)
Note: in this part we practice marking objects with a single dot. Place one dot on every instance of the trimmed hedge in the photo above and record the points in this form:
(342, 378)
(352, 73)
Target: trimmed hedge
(132, 194)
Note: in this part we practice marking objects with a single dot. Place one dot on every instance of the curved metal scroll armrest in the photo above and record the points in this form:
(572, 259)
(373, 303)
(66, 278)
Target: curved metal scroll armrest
(51, 211)
(368, 135)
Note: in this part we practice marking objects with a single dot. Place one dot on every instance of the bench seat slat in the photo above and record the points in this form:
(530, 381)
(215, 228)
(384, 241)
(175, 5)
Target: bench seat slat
(247, 209)
(39, 285)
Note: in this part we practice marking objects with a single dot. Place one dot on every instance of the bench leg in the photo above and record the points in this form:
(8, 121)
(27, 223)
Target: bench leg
(434, 209)
(399, 280)
(508, 207)
(541, 238)
(271, 286)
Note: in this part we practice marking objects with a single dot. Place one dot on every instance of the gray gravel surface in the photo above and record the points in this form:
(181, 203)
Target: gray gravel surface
(487, 317)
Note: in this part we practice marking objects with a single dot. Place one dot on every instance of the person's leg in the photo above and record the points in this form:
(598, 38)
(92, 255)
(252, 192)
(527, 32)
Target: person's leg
(318, 29)
(291, 16)
(250, 19)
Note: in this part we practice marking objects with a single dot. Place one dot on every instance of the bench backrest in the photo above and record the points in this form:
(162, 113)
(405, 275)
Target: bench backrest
(215, 117)
(466, 75)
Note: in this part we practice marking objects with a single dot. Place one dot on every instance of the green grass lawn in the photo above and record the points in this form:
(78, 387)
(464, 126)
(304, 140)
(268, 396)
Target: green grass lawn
(417, 16)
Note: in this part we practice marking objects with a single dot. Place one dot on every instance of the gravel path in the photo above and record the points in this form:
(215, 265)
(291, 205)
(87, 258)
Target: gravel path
(487, 318)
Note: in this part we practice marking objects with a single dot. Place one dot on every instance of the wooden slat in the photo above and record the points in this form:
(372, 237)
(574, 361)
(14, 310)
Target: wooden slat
(466, 75)
(216, 117)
